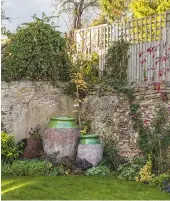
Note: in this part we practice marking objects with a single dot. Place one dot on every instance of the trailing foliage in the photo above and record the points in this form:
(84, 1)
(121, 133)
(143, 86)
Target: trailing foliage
(153, 139)
(98, 171)
(9, 150)
(36, 52)
(116, 65)
(26, 168)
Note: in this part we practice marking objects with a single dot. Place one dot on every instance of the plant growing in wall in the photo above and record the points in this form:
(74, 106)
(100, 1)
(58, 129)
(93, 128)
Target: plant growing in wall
(154, 136)
(156, 61)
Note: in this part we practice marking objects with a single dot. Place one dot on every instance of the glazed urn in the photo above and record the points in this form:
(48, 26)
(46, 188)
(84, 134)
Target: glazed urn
(60, 139)
(90, 148)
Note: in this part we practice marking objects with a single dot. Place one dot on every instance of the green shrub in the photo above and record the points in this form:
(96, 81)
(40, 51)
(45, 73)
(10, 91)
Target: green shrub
(60, 170)
(36, 52)
(115, 73)
(111, 156)
(26, 168)
(162, 181)
(9, 150)
(154, 139)
(98, 171)
(129, 171)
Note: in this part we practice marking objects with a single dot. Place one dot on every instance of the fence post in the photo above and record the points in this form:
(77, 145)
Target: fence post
(166, 40)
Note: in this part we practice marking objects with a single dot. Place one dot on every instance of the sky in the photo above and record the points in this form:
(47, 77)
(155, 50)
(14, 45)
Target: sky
(20, 11)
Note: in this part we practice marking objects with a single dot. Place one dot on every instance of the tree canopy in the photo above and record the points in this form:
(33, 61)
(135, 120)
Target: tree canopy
(77, 8)
(143, 8)
(138, 8)
(114, 8)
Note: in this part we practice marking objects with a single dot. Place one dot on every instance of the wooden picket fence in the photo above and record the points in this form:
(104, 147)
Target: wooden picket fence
(149, 52)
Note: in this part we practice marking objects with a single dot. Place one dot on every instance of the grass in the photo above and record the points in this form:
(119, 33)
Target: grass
(77, 188)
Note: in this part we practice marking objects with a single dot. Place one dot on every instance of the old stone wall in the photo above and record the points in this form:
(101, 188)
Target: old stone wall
(26, 104)
(110, 113)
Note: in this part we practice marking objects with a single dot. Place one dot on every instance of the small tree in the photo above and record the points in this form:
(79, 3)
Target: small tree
(77, 8)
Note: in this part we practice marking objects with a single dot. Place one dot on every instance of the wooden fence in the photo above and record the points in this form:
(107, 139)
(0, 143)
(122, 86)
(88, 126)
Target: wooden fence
(149, 52)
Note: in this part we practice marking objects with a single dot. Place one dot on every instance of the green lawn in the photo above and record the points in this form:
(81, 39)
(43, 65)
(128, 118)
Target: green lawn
(77, 188)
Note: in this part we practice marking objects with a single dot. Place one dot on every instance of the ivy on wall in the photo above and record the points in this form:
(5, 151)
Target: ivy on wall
(154, 136)
(116, 65)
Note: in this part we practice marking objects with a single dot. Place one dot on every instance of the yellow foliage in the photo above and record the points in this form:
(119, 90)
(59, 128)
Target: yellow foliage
(84, 130)
(145, 174)
(79, 81)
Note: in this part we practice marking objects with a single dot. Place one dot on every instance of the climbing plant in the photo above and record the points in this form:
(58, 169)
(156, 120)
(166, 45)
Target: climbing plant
(36, 52)
(116, 65)
(154, 136)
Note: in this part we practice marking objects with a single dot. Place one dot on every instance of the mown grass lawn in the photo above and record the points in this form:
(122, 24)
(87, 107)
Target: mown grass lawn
(77, 188)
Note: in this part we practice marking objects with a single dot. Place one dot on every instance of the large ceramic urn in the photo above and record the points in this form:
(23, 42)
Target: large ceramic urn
(61, 139)
(90, 148)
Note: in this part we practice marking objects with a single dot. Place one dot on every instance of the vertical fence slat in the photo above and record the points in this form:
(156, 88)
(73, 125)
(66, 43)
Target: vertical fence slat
(141, 33)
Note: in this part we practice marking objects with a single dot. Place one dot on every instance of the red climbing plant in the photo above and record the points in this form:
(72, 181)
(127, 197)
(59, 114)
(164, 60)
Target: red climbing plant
(152, 51)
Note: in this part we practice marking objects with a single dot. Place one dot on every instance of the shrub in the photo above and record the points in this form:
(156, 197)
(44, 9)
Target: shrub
(26, 168)
(85, 74)
(128, 171)
(111, 156)
(9, 150)
(162, 182)
(98, 171)
(145, 174)
(155, 139)
(36, 52)
(115, 73)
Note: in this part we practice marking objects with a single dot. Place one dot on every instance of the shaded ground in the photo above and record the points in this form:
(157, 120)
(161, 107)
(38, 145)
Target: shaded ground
(77, 188)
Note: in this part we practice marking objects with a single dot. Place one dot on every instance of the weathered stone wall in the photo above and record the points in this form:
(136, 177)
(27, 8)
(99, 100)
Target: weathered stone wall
(26, 104)
(110, 114)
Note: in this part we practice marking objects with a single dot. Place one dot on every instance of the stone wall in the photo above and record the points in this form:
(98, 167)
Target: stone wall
(26, 104)
(110, 114)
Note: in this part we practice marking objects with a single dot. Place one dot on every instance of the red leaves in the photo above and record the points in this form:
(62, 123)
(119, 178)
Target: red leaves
(157, 86)
(157, 61)
(164, 58)
(150, 50)
(143, 61)
(146, 122)
(141, 53)
(160, 73)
